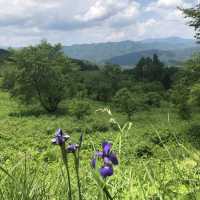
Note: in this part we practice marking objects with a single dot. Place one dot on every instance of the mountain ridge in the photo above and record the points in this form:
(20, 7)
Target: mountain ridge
(108, 51)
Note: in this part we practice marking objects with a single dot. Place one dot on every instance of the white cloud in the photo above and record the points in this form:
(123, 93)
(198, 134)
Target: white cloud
(103, 10)
(28, 21)
(167, 4)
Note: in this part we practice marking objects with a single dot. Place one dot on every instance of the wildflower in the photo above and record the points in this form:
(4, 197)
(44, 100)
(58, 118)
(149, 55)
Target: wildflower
(105, 154)
(109, 159)
(106, 171)
(59, 137)
(72, 148)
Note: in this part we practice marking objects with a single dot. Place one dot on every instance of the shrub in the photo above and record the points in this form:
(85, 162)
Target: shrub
(101, 127)
(153, 99)
(79, 108)
(195, 94)
(165, 137)
(143, 151)
(193, 134)
(184, 110)
(125, 102)
(88, 130)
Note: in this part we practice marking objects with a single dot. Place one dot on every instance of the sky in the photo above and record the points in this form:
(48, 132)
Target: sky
(26, 22)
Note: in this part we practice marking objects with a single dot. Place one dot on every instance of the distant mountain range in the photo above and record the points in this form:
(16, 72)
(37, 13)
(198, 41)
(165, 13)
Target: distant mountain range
(170, 50)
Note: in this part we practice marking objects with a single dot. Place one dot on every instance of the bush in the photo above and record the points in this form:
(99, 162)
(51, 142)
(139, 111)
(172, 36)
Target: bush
(184, 111)
(88, 130)
(195, 94)
(164, 138)
(100, 126)
(193, 134)
(79, 108)
(125, 102)
(143, 151)
(153, 99)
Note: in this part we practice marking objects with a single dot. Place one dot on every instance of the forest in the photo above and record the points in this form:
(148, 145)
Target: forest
(75, 129)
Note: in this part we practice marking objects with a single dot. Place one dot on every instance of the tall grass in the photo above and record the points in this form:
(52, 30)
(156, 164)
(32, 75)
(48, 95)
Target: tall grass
(171, 172)
(136, 178)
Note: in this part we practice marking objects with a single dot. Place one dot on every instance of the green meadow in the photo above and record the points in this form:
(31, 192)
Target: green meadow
(157, 158)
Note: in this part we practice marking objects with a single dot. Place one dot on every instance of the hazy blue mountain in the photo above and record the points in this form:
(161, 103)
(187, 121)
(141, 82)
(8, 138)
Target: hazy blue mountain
(167, 56)
(170, 49)
(134, 57)
(101, 51)
(171, 41)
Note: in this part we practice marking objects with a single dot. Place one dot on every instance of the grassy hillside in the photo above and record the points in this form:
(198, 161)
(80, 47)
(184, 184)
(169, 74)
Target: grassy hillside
(156, 159)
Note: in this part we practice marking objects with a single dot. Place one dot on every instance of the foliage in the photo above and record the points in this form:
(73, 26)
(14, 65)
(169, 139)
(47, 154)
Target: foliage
(100, 126)
(149, 69)
(38, 75)
(171, 173)
(143, 151)
(193, 134)
(153, 99)
(180, 97)
(194, 15)
(153, 161)
(125, 102)
(195, 94)
(185, 92)
(79, 108)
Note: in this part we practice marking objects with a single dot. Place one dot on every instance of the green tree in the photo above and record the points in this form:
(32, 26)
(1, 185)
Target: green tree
(194, 15)
(195, 94)
(38, 75)
(157, 69)
(125, 102)
(149, 69)
(169, 77)
(153, 99)
(139, 69)
(180, 95)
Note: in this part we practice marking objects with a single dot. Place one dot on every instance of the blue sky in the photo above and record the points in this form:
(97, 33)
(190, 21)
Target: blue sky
(24, 22)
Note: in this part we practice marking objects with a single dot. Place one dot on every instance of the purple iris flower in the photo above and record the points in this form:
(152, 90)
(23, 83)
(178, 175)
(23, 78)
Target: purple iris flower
(109, 158)
(72, 148)
(59, 137)
(106, 171)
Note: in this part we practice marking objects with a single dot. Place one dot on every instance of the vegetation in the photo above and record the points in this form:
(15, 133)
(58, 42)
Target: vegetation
(38, 74)
(194, 15)
(145, 118)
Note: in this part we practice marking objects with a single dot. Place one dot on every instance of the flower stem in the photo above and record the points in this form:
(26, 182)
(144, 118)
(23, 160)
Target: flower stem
(65, 160)
(76, 161)
(107, 193)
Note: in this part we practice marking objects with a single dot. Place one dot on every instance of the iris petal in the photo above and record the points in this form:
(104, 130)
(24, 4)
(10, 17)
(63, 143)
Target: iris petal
(106, 147)
(53, 141)
(106, 171)
(99, 154)
(113, 159)
(93, 162)
(107, 161)
(72, 148)
(59, 137)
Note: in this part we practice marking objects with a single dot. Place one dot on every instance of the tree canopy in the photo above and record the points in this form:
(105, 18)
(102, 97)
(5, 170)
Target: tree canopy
(194, 18)
(38, 75)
